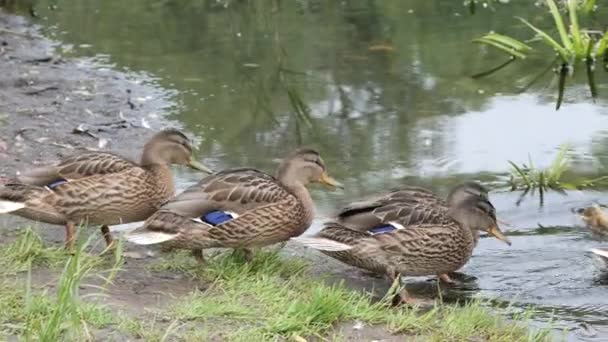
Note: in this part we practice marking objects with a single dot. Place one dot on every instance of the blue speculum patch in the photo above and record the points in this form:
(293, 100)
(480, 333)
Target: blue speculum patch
(387, 228)
(56, 183)
(216, 217)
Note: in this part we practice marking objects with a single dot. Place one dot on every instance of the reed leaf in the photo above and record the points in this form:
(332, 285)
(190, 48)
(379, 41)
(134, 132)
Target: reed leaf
(559, 23)
(521, 174)
(588, 5)
(575, 30)
(508, 49)
(508, 41)
(602, 44)
(563, 53)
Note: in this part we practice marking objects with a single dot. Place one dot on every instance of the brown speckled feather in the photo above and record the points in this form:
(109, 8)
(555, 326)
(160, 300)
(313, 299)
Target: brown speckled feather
(430, 238)
(406, 206)
(237, 190)
(417, 250)
(76, 167)
(268, 212)
(132, 194)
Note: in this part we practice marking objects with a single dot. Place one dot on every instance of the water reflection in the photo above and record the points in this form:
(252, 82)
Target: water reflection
(507, 128)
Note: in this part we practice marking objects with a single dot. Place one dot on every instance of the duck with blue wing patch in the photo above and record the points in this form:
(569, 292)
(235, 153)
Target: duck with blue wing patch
(239, 208)
(408, 232)
(99, 188)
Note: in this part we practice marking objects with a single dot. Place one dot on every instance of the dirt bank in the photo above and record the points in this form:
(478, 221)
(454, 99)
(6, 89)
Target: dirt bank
(51, 107)
(45, 100)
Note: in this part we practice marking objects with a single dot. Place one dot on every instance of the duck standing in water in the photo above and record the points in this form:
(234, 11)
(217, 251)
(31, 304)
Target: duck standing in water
(100, 188)
(597, 220)
(409, 232)
(239, 208)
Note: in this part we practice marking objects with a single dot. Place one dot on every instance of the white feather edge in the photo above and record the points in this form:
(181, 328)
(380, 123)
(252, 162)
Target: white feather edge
(601, 252)
(149, 237)
(10, 206)
(322, 244)
(125, 227)
(396, 225)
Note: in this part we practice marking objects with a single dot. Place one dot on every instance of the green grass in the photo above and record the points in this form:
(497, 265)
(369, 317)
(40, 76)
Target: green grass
(276, 297)
(50, 315)
(28, 249)
(271, 298)
(529, 177)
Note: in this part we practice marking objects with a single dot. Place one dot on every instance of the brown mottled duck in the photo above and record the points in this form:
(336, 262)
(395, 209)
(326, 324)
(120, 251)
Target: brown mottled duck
(99, 188)
(409, 232)
(239, 208)
(596, 219)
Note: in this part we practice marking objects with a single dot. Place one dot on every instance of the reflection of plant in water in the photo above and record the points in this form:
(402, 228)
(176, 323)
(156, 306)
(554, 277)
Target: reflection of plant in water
(576, 46)
(284, 78)
(528, 178)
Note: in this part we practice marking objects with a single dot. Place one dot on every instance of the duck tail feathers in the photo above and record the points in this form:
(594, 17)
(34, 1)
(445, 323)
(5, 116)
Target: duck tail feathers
(322, 244)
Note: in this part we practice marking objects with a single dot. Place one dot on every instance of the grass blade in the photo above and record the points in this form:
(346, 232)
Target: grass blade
(559, 23)
(521, 173)
(588, 6)
(564, 54)
(510, 45)
(575, 30)
(499, 46)
(602, 44)
(508, 41)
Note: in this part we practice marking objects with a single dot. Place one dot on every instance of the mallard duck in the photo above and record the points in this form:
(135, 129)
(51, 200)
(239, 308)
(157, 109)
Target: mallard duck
(596, 219)
(99, 188)
(409, 232)
(239, 208)
(407, 206)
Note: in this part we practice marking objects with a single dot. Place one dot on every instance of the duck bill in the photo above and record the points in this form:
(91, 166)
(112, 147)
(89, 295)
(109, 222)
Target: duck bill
(329, 181)
(495, 232)
(198, 166)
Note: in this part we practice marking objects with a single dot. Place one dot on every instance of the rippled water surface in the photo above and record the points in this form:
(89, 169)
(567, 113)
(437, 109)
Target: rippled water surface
(390, 101)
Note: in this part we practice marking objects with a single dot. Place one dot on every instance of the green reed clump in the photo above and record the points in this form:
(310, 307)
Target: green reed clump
(575, 47)
(529, 177)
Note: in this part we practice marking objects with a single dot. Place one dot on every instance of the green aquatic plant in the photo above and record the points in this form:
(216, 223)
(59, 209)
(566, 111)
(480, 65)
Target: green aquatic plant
(528, 178)
(575, 47)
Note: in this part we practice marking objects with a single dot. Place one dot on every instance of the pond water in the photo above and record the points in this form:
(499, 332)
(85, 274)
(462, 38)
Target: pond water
(391, 102)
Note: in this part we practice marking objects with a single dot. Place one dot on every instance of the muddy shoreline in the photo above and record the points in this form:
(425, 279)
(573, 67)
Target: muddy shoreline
(51, 107)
